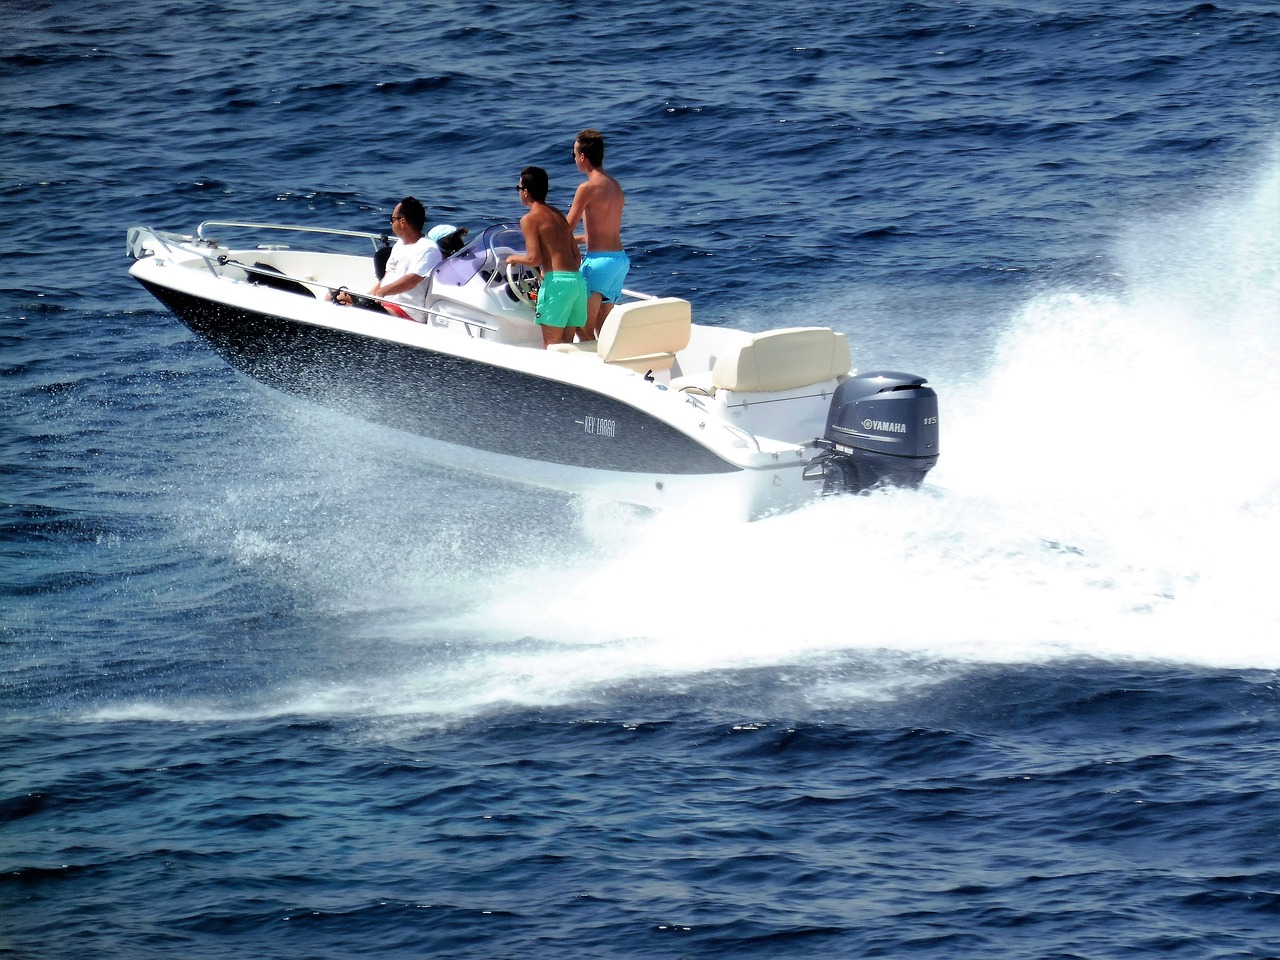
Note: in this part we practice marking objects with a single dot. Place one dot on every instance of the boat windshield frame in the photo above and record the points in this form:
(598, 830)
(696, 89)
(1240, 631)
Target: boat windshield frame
(488, 250)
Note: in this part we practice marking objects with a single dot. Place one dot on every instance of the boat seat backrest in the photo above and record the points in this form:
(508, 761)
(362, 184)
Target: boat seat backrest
(783, 360)
(646, 332)
(642, 335)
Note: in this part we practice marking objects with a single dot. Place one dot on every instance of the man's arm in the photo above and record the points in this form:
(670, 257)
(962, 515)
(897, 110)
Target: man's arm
(398, 285)
(532, 255)
(578, 209)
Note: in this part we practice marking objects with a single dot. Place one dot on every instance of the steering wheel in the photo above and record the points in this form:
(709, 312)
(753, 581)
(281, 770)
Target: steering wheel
(523, 282)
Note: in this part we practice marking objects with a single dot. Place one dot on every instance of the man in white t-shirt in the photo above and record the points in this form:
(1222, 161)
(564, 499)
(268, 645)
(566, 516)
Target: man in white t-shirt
(413, 257)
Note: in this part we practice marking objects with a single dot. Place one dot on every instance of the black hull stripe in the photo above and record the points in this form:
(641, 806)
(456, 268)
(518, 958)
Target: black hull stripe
(442, 396)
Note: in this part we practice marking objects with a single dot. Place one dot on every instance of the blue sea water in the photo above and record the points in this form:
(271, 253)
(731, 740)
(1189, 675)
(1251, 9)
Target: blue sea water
(272, 684)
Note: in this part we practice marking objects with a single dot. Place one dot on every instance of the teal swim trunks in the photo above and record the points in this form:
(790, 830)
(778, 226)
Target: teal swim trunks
(562, 300)
(605, 273)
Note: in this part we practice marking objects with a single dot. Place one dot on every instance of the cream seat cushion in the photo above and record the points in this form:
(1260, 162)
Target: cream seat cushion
(641, 335)
(783, 360)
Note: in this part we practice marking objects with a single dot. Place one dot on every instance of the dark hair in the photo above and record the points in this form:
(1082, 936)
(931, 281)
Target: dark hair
(591, 145)
(412, 210)
(534, 180)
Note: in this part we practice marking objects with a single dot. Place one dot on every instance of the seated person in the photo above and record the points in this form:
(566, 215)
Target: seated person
(411, 261)
(449, 238)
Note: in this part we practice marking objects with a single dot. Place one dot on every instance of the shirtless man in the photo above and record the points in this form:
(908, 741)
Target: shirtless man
(549, 244)
(598, 204)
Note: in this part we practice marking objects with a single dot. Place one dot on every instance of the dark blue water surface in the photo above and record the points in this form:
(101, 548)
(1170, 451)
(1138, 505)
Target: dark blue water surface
(272, 684)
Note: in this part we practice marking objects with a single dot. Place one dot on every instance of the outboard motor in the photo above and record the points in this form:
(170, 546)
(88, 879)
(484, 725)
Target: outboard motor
(882, 428)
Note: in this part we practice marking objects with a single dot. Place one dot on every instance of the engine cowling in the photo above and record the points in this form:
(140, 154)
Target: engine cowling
(882, 428)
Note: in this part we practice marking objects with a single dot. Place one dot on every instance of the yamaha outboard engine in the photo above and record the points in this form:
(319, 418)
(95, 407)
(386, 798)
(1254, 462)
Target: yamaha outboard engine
(882, 428)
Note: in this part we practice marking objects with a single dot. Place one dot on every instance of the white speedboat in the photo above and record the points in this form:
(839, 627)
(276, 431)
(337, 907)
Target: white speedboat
(660, 411)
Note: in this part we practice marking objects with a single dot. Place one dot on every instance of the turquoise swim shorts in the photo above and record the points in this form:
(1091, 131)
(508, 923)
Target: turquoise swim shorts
(562, 300)
(605, 273)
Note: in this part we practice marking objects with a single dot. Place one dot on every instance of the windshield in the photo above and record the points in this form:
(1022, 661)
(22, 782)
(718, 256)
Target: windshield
(488, 249)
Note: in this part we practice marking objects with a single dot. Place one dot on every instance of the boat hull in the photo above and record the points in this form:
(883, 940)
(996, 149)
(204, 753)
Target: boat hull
(443, 396)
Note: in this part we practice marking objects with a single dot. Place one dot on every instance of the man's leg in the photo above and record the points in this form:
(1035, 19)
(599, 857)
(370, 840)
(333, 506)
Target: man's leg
(602, 313)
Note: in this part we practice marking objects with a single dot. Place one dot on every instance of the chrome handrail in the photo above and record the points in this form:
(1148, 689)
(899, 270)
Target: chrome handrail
(375, 238)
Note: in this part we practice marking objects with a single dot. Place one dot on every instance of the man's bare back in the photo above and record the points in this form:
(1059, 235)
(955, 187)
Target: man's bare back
(598, 203)
(549, 242)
